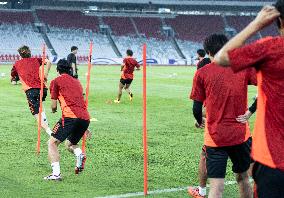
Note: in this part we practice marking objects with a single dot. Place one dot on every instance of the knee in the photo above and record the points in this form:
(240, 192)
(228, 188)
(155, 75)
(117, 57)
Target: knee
(53, 142)
(68, 144)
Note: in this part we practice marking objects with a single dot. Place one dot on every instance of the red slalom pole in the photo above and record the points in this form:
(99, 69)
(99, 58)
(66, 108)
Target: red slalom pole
(87, 90)
(41, 95)
(145, 147)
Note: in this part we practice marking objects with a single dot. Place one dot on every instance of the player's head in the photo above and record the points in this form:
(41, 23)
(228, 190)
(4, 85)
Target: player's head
(280, 7)
(24, 51)
(63, 67)
(214, 43)
(201, 53)
(74, 49)
(129, 52)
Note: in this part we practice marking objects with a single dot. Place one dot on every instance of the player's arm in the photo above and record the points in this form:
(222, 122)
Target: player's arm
(252, 109)
(53, 105)
(48, 66)
(264, 18)
(197, 113)
(14, 75)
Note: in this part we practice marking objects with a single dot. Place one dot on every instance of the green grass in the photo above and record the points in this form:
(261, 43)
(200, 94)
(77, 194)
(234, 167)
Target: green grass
(115, 153)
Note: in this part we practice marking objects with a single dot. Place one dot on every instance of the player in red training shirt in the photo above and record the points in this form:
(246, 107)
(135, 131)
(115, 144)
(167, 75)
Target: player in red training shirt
(225, 94)
(28, 71)
(74, 122)
(128, 67)
(266, 55)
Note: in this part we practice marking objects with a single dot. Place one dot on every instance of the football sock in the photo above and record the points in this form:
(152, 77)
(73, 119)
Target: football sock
(202, 191)
(55, 168)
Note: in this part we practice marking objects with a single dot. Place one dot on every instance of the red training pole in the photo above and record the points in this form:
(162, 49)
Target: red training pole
(145, 122)
(41, 95)
(87, 90)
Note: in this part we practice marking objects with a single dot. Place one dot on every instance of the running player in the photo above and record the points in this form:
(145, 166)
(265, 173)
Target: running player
(127, 68)
(28, 70)
(226, 98)
(14, 76)
(267, 56)
(74, 122)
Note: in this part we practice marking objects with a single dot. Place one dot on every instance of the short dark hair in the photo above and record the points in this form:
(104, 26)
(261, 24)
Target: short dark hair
(201, 52)
(73, 48)
(279, 5)
(214, 43)
(129, 52)
(63, 67)
(24, 51)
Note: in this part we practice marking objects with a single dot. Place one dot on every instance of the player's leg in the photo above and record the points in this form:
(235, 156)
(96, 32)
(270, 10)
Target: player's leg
(33, 97)
(127, 89)
(216, 163)
(120, 88)
(58, 135)
(81, 126)
(240, 157)
(200, 191)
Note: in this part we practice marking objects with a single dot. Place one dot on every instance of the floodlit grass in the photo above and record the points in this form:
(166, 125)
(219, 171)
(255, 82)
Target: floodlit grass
(115, 156)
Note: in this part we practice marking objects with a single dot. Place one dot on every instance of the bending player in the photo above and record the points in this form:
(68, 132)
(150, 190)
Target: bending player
(267, 56)
(225, 94)
(200, 191)
(28, 71)
(74, 122)
(129, 64)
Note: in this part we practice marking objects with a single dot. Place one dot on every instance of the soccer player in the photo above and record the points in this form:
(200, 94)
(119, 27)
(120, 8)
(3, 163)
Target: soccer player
(28, 70)
(14, 76)
(200, 191)
(127, 68)
(71, 58)
(74, 122)
(226, 98)
(267, 56)
(202, 60)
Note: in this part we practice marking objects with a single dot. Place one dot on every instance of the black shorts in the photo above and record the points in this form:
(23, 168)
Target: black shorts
(126, 81)
(72, 129)
(217, 157)
(33, 96)
(269, 182)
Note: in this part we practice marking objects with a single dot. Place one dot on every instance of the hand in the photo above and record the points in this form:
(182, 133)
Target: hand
(88, 134)
(202, 125)
(244, 118)
(138, 69)
(53, 110)
(266, 16)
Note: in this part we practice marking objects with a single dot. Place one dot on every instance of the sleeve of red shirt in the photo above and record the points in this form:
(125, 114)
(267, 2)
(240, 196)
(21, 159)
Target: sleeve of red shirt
(250, 55)
(198, 89)
(54, 90)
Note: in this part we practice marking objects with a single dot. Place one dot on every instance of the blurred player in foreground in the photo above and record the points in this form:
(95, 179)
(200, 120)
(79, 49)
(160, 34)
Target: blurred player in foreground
(266, 55)
(74, 122)
(127, 70)
(225, 94)
(28, 71)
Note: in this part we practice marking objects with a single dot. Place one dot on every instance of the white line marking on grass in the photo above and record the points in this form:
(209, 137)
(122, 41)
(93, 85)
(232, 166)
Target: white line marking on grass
(159, 191)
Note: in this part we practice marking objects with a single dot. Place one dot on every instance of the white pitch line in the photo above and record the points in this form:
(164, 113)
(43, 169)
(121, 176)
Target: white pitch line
(160, 191)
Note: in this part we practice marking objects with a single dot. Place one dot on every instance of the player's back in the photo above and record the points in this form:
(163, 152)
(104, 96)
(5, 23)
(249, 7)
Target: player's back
(28, 71)
(129, 66)
(226, 98)
(70, 96)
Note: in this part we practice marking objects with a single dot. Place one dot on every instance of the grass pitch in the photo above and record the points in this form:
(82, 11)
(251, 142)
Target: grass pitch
(114, 155)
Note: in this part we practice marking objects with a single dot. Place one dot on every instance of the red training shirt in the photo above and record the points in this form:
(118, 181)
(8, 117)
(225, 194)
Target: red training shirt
(129, 66)
(69, 92)
(28, 71)
(267, 55)
(226, 98)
